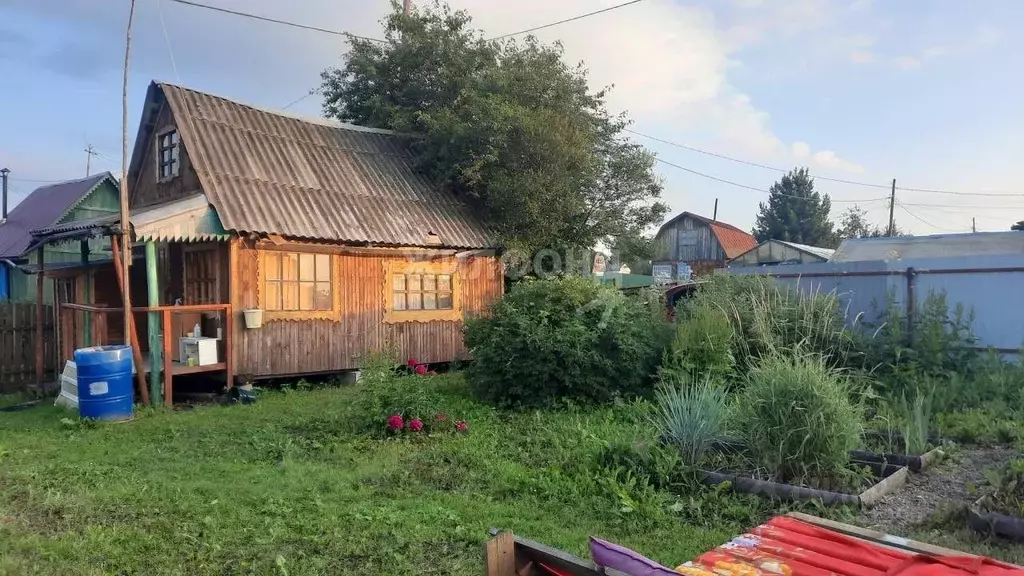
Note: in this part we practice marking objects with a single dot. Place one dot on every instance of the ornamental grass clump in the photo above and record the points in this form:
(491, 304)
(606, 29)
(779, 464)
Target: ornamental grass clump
(691, 415)
(797, 419)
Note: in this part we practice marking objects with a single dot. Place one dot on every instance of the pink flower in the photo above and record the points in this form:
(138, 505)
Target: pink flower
(461, 426)
(395, 422)
(441, 417)
(416, 425)
(421, 369)
(412, 363)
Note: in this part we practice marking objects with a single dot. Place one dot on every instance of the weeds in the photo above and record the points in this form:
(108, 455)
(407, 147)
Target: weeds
(916, 415)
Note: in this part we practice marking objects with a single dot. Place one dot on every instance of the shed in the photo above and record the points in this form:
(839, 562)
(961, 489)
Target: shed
(690, 245)
(775, 252)
(321, 233)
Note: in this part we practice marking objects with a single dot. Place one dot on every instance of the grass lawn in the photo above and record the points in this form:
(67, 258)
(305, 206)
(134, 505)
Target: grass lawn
(283, 487)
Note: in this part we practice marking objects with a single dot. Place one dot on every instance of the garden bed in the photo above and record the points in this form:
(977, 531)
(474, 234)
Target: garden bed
(889, 478)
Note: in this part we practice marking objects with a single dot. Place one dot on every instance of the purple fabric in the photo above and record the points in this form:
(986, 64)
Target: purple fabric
(625, 560)
(42, 208)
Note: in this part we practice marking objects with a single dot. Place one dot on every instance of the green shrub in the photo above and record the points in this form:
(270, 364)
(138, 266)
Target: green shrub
(657, 464)
(384, 390)
(565, 338)
(691, 415)
(702, 345)
(797, 419)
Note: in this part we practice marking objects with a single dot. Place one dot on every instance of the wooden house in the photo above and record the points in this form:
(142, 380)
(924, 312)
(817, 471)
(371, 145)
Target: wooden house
(49, 205)
(301, 244)
(689, 245)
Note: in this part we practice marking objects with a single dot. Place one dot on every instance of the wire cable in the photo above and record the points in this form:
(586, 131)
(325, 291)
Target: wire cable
(567, 20)
(275, 20)
(922, 220)
(762, 190)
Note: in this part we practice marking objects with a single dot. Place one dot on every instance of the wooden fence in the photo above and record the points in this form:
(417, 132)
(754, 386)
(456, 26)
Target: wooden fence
(18, 345)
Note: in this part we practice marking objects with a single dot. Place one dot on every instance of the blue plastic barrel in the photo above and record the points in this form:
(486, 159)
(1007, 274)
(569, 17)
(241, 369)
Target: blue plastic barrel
(105, 382)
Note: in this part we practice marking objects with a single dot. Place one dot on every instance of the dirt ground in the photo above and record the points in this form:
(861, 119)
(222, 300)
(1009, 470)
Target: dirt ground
(940, 490)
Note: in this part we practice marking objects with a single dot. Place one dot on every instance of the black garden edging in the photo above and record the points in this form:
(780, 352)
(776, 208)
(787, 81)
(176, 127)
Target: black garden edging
(914, 463)
(994, 523)
(892, 477)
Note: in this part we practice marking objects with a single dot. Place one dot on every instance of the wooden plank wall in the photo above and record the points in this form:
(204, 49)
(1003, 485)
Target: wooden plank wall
(293, 347)
(17, 345)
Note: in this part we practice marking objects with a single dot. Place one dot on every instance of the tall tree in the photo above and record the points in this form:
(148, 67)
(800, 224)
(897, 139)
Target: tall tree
(796, 212)
(508, 125)
(1018, 226)
(855, 224)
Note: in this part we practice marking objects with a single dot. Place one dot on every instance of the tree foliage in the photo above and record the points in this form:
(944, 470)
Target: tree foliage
(1018, 226)
(796, 212)
(508, 125)
(855, 224)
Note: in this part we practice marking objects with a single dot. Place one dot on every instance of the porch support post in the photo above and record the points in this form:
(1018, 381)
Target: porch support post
(133, 333)
(40, 317)
(86, 291)
(156, 344)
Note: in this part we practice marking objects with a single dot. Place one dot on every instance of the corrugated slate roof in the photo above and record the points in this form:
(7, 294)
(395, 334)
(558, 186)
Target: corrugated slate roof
(44, 207)
(269, 172)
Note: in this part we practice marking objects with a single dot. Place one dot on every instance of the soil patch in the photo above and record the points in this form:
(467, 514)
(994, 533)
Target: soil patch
(941, 489)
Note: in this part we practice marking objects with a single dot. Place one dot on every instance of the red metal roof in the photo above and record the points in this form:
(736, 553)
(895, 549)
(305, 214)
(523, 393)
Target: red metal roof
(733, 240)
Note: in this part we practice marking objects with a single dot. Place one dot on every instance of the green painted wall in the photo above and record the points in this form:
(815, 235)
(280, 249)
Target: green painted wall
(101, 201)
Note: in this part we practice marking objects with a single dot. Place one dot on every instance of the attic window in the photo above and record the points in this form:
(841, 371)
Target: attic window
(167, 155)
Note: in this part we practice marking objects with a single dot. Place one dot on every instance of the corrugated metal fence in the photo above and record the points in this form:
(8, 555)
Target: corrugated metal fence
(17, 344)
(991, 286)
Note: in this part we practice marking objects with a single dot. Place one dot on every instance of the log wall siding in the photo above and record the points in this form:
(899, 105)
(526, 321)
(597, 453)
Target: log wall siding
(286, 347)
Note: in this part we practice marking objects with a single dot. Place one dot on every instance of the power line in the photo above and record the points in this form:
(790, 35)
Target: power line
(826, 178)
(922, 220)
(276, 21)
(963, 207)
(762, 190)
(300, 99)
(574, 18)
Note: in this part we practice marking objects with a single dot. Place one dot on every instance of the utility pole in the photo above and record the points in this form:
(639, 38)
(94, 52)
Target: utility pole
(126, 248)
(714, 216)
(892, 208)
(974, 225)
(89, 153)
(407, 9)
(4, 172)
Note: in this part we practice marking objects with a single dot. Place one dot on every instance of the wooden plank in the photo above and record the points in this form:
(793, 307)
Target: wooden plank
(888, 485)
(40, 319)
(189, 308)
(500, 555)
(178, 368)
(168, 375)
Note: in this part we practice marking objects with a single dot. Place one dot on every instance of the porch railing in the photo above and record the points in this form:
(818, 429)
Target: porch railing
(84, 325)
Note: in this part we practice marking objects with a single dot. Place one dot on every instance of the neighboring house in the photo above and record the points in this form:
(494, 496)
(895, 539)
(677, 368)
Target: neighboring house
(51, 205)
(690, 245)
(775, 252)
(323, 227)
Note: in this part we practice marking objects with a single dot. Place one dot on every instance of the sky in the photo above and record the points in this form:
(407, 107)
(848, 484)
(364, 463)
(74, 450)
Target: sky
(922, 91)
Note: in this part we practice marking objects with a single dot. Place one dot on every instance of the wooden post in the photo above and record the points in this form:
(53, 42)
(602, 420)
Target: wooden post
(133, 334)
(229, 314)
(156, 366)
(168, 369)
(86, 291)
(40, 318)
(500, 555)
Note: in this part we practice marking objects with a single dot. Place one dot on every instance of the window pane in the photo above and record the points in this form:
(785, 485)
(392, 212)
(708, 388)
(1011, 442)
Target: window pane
(272, 296)
(444, 282)
(289, 266)
(174, 153)
(430, 301)
(273, 264)
(306, 270)
(429, 282)
(399, 301)
(306, 290)
(323, 296)
(289, 296)
(444, 301)
(415, 283)
(323, 267)
(415, 301)
(399, 283)
(174, 137)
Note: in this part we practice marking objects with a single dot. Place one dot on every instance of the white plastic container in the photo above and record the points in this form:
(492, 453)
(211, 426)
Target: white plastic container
(253, 318)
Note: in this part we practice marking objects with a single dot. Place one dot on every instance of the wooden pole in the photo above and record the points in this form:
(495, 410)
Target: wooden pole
(168, 369)
(155, 344)
(133, 335)
(126, 245)
(40, 318)
(86, 292)
(892, 208)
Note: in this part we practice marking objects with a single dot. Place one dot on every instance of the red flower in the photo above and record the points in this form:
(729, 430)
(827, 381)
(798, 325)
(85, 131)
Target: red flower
(395, 422)
(412, 362)
(416, 425)
(421, 369)
(441, 417)
(461, 426)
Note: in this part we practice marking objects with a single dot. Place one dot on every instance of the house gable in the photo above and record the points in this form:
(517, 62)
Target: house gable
(145, 187)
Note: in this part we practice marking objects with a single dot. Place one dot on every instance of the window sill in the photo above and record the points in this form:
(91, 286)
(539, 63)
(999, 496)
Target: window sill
(397, 317)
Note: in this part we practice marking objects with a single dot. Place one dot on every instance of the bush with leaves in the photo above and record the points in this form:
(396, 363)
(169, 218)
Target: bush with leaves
(386, 390)
(797, 418)
(566, 338)
(702, 345)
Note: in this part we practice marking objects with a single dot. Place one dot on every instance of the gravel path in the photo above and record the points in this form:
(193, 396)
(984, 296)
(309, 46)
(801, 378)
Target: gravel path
(941, 488)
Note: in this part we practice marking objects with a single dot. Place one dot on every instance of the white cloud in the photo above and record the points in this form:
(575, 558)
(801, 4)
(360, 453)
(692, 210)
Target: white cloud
(829, 160)
(861, 57)
(906, 62)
